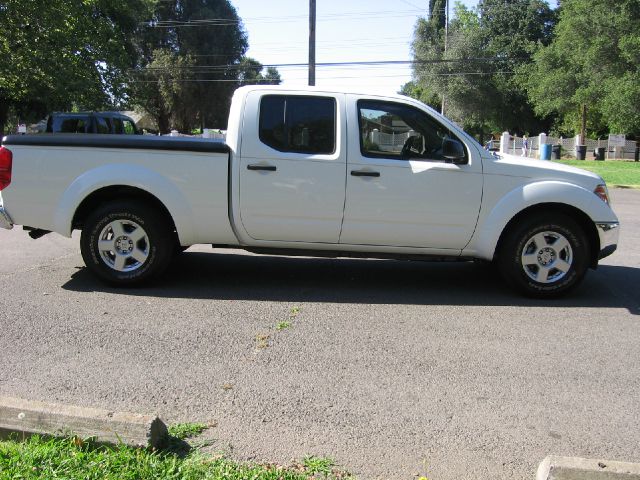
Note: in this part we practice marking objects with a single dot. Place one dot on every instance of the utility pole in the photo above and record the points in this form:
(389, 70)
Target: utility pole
(312, 42)
(446, 40)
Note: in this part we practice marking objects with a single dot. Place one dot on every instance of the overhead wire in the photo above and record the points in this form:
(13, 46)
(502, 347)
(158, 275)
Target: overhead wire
(382, 14)
(337, 64)
(327, 66)
(457, 74)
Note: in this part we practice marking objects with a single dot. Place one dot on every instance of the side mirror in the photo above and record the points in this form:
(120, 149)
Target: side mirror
(453, 151)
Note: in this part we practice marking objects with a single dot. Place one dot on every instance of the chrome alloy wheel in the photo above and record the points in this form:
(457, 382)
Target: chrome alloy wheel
(123, 245)
(547, 257)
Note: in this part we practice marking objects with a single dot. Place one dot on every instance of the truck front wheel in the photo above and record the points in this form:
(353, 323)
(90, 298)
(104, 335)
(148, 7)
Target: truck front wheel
(126, 243)
(545, 256)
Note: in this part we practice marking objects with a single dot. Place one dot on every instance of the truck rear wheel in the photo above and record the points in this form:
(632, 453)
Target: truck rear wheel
(126, 243)
(545, 256)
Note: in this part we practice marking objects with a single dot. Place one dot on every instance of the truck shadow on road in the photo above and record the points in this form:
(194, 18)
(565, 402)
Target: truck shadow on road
(222, 276)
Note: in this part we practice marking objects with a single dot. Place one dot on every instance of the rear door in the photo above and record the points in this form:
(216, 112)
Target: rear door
(292, 167)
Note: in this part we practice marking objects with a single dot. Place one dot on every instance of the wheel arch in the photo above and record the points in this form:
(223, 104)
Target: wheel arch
(106, 194)
(583, 220)
(546, 195)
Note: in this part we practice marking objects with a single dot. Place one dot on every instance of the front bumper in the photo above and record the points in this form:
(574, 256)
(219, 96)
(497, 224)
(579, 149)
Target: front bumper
(5, 219)
(608, 233)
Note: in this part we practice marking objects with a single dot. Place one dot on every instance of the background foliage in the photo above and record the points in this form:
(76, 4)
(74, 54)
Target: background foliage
(520, 66)
(108, 54)
(514, 65)
(594, 60)
(473, 75)
(63, 54)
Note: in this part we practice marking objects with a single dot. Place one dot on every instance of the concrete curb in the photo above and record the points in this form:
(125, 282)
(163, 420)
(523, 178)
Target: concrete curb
(31, 417)
(575, 468)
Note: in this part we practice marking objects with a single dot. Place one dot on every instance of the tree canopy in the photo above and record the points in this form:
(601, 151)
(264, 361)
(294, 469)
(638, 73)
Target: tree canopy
(518, 65)
(250, 73)
(61, 54)
(187, 70)
(178, 60)
(474, 74)
(593, 62)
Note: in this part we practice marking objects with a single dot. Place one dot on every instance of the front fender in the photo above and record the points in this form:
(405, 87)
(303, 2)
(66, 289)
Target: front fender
(125, 175)
(494, 221)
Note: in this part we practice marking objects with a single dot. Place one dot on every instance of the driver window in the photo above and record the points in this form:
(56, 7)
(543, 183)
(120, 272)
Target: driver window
(397, 131)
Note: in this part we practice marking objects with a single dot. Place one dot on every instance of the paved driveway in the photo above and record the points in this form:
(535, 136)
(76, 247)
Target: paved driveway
(391, 368)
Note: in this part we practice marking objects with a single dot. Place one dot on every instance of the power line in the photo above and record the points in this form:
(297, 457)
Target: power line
(268, 81)
(412, 5)
(341, 41)
(332, 64)
(284, 19)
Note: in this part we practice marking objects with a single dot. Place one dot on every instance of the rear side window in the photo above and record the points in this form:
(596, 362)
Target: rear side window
(103, 125)
(70, 125)
(298, 124)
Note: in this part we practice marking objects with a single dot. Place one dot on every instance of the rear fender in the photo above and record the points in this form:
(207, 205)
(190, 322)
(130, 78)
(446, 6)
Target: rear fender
(131, 176)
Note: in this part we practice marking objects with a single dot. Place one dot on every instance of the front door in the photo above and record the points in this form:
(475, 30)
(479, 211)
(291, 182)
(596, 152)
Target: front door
(401, 190)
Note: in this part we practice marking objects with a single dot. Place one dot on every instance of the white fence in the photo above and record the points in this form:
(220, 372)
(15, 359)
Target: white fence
(216, 136)
(390, 142)
(515, 144)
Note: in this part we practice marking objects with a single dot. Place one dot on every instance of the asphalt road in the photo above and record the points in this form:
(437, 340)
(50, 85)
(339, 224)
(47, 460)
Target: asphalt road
(393, 369)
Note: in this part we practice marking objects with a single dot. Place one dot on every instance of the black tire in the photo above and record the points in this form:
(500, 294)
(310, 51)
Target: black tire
(113, 249)
(544, 256)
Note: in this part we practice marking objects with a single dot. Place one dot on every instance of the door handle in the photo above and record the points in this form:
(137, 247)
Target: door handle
(364, 173)
(265, 168)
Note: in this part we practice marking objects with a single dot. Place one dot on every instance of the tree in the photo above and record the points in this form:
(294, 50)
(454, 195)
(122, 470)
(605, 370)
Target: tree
(61, 54)
(163, 89)
(210, 34)
(421, 92)
(474, 75)
(250, 73)
(590, 74)
(438, 14)
(428, 46)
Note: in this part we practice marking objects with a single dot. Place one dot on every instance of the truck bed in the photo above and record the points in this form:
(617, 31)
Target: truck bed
(189, 176)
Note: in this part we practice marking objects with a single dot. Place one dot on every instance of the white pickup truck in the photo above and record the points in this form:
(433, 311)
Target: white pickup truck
(316, 173)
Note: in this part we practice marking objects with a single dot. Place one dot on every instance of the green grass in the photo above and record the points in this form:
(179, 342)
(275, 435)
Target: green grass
(318, 465)
(282, 325)
(615, 173)
(186, 430)
(70, 459)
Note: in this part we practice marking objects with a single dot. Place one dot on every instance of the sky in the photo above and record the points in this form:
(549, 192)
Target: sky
(346, 31)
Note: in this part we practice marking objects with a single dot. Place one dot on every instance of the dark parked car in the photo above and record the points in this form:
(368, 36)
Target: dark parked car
(91, 122)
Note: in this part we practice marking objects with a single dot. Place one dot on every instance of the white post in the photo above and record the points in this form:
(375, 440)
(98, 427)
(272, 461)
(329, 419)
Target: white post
(375, 136)
(542, 140)
(504, 142)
